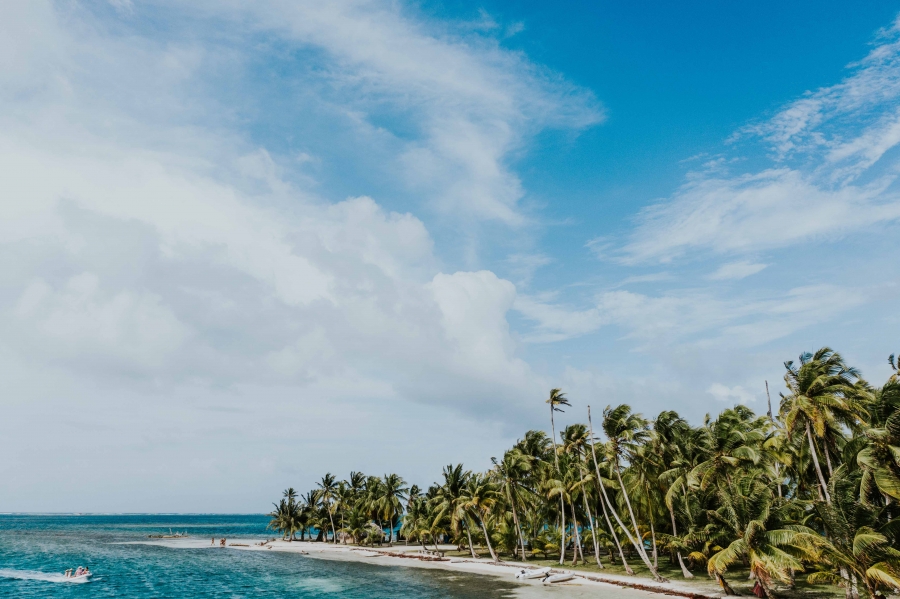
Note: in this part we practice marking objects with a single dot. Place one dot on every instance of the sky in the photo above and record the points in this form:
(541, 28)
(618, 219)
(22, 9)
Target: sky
(243, 244)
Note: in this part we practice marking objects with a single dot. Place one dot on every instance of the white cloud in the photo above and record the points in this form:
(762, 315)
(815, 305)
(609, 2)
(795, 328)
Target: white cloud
(774, 208)
(470, 101)
(692, 316)
(824, 183)
(736, 271)
(736, 394)
(162, 272)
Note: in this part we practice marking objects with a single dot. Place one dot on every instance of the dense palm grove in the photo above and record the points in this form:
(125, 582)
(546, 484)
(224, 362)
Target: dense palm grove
(811, 491)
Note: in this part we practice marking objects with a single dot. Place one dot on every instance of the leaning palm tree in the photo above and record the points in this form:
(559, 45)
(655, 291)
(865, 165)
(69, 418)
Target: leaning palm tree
(606, 504)
(821, 394)
(575, 439)
(626, 431)
(673, 445)
(479, 496)
(558, 398)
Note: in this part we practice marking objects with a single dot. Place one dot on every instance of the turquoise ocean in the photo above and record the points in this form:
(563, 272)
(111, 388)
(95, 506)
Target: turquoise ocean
(35, 550)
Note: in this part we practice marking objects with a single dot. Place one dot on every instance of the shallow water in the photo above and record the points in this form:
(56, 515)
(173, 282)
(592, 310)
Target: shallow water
(36, 550)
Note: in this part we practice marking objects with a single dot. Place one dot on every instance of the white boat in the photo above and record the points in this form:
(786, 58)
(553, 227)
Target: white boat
(558, 578)
(80, 578)
(532, 573)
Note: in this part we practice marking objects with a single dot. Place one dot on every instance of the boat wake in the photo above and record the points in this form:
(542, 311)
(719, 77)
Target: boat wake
(36, 575)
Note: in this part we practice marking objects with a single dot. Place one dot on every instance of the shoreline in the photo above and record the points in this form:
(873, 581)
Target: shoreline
(405, 555)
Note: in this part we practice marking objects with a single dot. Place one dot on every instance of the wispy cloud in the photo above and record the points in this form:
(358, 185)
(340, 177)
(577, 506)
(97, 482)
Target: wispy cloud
(830, 175)
(469, 101)
(692, 316)
(736, 270)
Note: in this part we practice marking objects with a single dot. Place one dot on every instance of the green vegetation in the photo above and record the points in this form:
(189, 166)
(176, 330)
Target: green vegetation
(801, 502)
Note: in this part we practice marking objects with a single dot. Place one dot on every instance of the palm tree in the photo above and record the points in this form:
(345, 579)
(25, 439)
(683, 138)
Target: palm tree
(879, 457)
(855, 550)
(509, 471)
(821, 394)
(558, 398)
(625, 432)
(575, 439)
(479, 496)
(605, 502)
(673, 444)
(392, 492)
(448, 499)
(761, 533)
(327, 494)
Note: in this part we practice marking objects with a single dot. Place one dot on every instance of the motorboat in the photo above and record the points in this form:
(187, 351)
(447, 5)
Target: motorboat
(83, 577)
(558, 578)
(526, 573)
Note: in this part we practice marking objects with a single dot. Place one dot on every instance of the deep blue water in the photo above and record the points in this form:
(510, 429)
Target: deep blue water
(35, 550)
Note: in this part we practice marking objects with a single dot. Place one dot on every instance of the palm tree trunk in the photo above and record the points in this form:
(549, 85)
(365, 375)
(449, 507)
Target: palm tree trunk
(587, 508)
(333, 533)
(653, 538)
(639, 543)
(562, 506)
(469, 534)
(562, 530)
(487, 538)
(516, 520)
(604, 500)
(577, 537)
(815, 458)
(684, 571)
(778, 476)
(724, 584)
(827, 459)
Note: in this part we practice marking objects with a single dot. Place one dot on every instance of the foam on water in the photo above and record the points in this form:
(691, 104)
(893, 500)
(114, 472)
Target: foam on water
(36, 575)
(320, 585)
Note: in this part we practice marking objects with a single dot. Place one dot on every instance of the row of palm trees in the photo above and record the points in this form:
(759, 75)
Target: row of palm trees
(809, 490)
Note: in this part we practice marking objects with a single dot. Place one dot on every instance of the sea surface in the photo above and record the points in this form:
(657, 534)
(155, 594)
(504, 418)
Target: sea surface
(35, 550)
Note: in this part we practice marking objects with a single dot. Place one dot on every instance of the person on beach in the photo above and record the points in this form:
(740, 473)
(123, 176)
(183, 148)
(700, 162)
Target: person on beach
(213, 541)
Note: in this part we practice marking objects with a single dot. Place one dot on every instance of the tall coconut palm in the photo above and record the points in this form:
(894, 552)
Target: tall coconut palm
(327, 494)
(606, 504)
(673, 444)
(575, 440)
(558, 398)
(510, 471)
(479, 496)
(448, 498)
(393, 492)
(821, 393)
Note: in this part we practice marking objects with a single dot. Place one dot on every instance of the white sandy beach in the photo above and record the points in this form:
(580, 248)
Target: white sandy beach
(584, 585)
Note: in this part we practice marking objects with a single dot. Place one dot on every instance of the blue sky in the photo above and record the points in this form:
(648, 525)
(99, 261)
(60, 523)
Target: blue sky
(243, 244)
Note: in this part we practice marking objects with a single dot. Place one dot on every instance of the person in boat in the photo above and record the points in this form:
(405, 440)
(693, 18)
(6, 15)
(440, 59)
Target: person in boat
(69, 573)
(79, 571)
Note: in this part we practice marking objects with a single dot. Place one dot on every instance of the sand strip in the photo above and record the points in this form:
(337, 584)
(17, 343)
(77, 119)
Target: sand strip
(584, 584)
